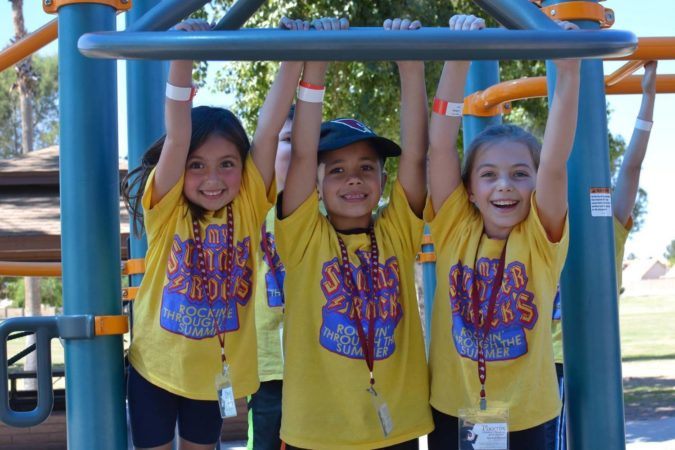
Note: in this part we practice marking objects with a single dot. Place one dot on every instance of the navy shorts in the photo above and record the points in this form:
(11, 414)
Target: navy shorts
(153, 414)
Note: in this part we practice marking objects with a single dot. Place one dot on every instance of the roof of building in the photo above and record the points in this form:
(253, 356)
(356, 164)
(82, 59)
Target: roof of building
(30, 217)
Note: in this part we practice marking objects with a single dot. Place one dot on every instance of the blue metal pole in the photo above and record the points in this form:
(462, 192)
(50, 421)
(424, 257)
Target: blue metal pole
(89, 184)
(593, 387)
(145, 110)
(482, 75)
(162, 15)
(517, 14)
(357, 44)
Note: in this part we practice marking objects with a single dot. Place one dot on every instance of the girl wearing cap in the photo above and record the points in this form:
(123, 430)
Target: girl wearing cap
(355, 374)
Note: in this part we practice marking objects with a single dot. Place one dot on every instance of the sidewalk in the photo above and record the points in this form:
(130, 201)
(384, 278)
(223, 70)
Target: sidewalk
(651, 434)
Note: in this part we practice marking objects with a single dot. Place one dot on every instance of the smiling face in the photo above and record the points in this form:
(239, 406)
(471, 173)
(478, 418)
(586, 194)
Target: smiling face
(350, 182)
(213, 174)
(501, 182)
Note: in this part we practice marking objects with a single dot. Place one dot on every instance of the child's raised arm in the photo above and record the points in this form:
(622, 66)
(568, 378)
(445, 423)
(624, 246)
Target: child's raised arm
(444, 165)
(275, 109)
(301, 178)
(178, 123)
(414, 131)
(628, 180)
(551, 186)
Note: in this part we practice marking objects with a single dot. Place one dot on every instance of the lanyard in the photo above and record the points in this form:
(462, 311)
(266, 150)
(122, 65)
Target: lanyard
(229, 264)
(484, 331)
(269, 258)
(367, 343)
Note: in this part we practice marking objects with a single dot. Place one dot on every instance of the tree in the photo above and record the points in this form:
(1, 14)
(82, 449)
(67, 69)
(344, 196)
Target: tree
(670, 253)
(370, 90)
(45, 122)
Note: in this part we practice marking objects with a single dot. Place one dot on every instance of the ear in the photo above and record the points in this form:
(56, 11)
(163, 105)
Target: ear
(472, 198)
(320, 175)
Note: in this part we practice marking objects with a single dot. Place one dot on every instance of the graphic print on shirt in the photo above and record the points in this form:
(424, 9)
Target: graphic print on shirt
(184, 310)
(274, 279)
(514, 312)
(557, 307)
(338, 328)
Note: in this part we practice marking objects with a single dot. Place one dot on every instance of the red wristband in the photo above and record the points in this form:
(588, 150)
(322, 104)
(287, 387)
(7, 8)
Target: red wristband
(314, 87)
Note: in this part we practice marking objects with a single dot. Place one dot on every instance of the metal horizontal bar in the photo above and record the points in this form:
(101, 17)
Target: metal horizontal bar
(166, 14)
(357, 44)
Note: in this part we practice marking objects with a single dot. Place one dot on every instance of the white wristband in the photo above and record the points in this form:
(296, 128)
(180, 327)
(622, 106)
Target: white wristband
(310, 95)
(180, 94)
(644, 125)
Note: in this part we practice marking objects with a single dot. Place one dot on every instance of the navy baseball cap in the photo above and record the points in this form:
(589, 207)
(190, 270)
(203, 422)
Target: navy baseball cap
(339, 133)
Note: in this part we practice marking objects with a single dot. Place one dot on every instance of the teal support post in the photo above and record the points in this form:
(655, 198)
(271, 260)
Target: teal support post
(482, 75)
(90, 242)
(589, 297)
(146, 83)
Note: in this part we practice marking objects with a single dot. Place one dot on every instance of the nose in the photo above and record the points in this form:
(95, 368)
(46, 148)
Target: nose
(504, 184)
(353, 178)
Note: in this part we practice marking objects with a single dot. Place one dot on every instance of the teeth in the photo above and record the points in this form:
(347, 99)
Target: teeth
(212, 193)
(354, 196)
(504, 203)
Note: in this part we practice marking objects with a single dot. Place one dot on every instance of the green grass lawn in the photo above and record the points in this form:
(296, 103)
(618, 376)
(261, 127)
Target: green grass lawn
(647, 327)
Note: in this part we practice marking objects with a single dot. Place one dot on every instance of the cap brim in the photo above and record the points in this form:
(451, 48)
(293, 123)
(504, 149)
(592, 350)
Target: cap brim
(383, 146)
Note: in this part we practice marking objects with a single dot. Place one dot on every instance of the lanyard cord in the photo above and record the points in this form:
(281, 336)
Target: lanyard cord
(229, 265)
(484, 331)
(367, 343)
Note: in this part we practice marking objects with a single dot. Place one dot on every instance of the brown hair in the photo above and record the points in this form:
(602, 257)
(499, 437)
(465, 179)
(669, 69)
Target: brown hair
(207, 121)
(494, 134)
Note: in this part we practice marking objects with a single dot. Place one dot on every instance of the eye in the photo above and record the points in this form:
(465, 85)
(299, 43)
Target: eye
(336, 170)
(487, 174)
(194, 165)
(521, 174)
(367, 167)
(227, 164)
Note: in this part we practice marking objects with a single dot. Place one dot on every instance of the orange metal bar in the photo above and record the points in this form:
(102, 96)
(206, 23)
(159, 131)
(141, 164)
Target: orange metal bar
(536, 87)
(623, 72)
(29, 269)
(651, 48)
(129, 293)
(110, 325)
(29, 44)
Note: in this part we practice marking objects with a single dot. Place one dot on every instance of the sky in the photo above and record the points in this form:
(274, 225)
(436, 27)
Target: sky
(646, 18)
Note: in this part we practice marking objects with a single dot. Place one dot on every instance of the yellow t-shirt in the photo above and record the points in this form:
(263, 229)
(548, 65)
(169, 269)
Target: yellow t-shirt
(174, 342)
(520, 370)
(620, 235)
(269, 307)
(325, 403)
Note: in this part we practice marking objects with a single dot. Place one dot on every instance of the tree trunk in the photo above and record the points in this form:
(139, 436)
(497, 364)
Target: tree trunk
(31, 308)
(25, 82)
(25, 86)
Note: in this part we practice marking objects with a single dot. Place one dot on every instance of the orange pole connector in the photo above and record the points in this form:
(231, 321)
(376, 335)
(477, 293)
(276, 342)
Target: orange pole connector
(29, 269)
(29, 44)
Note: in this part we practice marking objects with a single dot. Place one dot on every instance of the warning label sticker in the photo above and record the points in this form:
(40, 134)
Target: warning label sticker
(601, 202)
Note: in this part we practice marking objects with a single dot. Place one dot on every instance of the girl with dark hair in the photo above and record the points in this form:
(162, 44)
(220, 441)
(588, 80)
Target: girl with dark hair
(202, 194)
(501, 235)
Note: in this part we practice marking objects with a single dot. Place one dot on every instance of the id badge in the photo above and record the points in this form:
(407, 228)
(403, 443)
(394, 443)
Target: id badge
(484, 429)
(382, 410)
(225, 393)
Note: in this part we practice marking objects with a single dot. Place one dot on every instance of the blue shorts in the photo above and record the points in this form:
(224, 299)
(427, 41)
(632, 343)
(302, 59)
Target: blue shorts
(153, 414)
